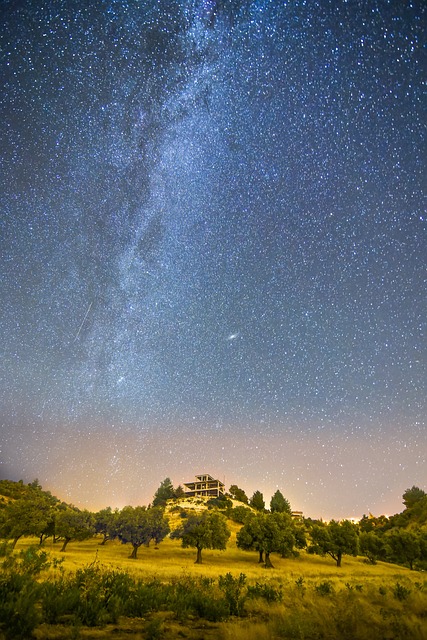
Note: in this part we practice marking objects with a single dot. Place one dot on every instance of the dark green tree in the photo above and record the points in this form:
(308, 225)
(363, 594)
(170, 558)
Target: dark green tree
(133, 528)
(238, 494)
(164, 493)
(404, 547)
(139, 525)
(207, 530)
(73, 524)
(412, 496)
(158, 524)
(371, 545)
(105, 522)
(419, 512)
(373, 523)
(267, 533)
(27, 516)
(257, 501)
(334, 539)
(179, 493)
(239, 514)
(280, 504)
(249, 538)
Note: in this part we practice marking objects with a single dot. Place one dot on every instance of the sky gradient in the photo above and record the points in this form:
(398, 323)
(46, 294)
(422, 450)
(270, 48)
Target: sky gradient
(213, 249)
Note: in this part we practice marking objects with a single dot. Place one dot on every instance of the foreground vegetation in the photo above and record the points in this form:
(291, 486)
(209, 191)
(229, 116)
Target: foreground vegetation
(98, 591)
(138, 572)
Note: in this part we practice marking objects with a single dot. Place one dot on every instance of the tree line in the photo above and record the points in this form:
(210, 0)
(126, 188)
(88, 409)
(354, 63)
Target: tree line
(27, 510)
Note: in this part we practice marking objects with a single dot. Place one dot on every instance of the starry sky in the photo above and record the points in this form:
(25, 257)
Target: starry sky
(213, 248)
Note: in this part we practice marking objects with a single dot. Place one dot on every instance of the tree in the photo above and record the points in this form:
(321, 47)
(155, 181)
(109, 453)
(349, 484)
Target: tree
(207, 530)
(158, 524)
(372, 523)
(179, 493)
(164, 493)
(139, 525)
(404, 547)
(267, 533)
(334, 539)
(419, 512)
(412, 496)
(106, 524)
(257, 501)
(280, 504)
(25, 517)
(73, 524)
(238, 494)
(371, 545)
(133, 527)
(239, 514)
(249, 538)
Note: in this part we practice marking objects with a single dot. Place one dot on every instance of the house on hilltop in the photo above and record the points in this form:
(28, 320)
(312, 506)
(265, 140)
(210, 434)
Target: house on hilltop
(204, 485)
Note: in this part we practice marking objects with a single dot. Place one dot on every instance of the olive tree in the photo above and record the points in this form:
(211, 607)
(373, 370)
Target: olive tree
(334, 539)
(207, 530)
(25, 517)
(139, 525)
(73, 524)
(267, 533)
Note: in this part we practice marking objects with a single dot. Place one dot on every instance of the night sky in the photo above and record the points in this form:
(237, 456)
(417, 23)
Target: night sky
(213, 248)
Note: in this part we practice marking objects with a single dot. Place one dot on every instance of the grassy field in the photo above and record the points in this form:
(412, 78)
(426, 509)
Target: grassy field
(170, 560)
(317, 600)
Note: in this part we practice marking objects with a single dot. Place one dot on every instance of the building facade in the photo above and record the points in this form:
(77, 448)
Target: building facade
(204, 485)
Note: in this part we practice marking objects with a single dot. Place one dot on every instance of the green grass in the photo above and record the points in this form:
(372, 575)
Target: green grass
(318, 600)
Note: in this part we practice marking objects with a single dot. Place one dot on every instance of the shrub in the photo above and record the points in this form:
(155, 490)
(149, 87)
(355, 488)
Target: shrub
(19, 615)
(20, 592)
(59, 600)
(400, 592)
(221, 502)
(265, 591)
(325, 588)
(239, 514)
(300, 585)
(92, 597)
(232, 588)
(189, 597)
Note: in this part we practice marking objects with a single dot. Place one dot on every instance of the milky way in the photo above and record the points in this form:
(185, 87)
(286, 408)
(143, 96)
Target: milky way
(213, 248)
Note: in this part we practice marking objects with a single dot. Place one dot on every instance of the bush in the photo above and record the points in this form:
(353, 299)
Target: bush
(191, 596)
(19, 615)
(400, 592)
(325, 588)
(232, 588)
(301, 586)
(265, 591)
(59, 601)
(20, 592)
(239, 514)
(221, 502)
(91, 597)
(144, 597)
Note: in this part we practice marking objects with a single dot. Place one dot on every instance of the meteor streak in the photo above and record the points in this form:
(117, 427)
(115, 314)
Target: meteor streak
(83, 321)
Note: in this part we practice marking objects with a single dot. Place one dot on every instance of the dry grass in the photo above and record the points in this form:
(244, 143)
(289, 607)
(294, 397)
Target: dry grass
(361, 604)
(170, 560)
